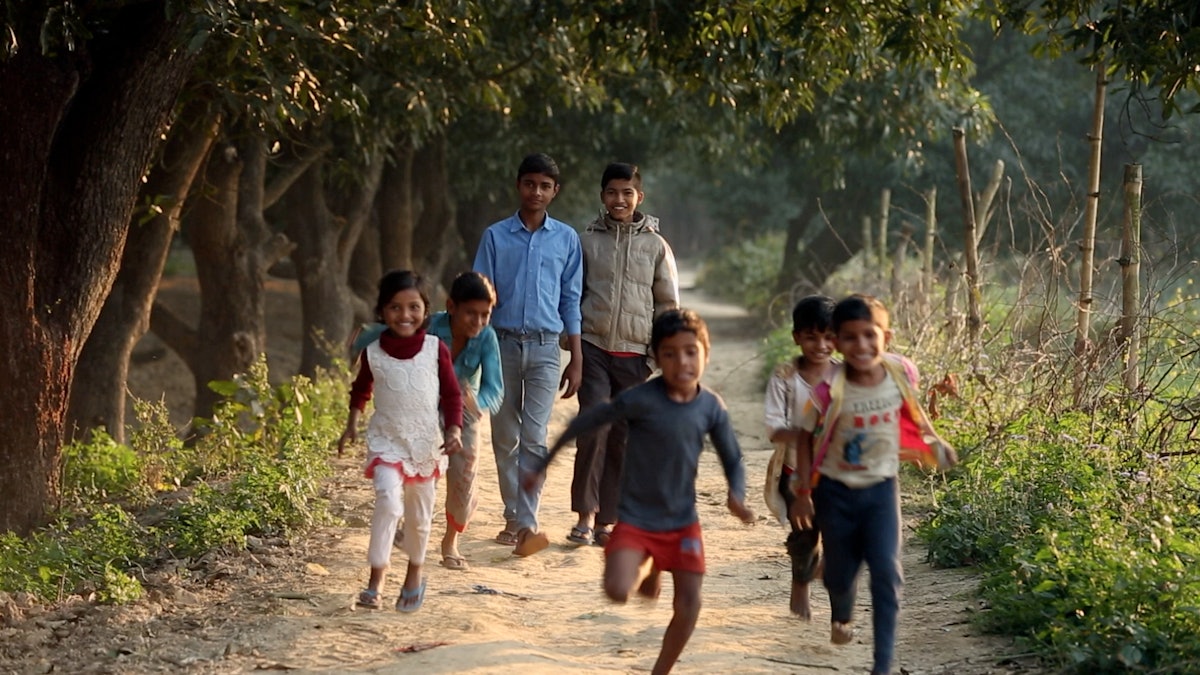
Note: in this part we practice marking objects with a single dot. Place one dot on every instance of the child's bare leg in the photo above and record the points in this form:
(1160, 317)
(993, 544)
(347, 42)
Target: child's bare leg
(683, 621)
(800, 600)
(375, 582)
(622, 568)
(450, 543)
(651, 585)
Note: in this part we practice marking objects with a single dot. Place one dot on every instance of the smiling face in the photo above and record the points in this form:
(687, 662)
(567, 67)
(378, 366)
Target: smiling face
(468, 318)
(816, 345)
(682, 358)
(405, 313)
(862, 344)
(621, 199)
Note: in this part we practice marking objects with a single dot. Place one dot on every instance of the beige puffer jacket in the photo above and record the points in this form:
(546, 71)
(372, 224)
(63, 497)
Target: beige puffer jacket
(629, 277)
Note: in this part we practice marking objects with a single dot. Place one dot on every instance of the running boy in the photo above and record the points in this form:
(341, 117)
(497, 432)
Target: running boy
(788, 390)
(629, 278)
(464, 328)
(537, 266)
(869, 420)
(668, 418)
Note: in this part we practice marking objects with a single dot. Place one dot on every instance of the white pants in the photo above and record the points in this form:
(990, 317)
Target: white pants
(394, 499)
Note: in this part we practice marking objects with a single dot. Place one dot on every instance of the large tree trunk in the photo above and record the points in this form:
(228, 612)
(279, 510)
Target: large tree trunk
(233, 249)
(437, 250)
(79, 129)
(325, 297)
(98, 392)
(790, 271)
(396, 209)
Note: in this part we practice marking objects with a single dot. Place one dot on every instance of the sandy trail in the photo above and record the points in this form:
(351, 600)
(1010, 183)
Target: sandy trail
(290, 607)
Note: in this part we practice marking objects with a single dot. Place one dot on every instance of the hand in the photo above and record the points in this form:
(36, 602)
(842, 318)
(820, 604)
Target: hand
(738, 508)
(947, 458)
(572, 377)
(531, 479)
(801, 511)
(788, 435)
(453, 443)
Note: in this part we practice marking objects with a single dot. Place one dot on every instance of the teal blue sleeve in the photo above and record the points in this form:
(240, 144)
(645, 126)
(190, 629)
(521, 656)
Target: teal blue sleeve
(367, 335)
(491, 377)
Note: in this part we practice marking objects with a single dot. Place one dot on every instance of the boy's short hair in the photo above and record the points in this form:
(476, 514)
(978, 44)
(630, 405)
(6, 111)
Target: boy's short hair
(813, 312)
(400, 280)
(539, 162)
(675, 321)
(860, 307)
(621, 171)
(470, 286)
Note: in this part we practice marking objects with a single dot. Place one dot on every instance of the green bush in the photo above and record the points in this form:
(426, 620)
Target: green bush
(256, 470)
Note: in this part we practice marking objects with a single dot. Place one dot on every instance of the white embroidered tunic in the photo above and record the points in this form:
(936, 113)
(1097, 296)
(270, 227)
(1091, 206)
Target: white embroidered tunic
(405, 430)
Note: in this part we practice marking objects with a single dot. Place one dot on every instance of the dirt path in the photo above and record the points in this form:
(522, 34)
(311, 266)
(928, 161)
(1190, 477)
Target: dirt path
(278, 607)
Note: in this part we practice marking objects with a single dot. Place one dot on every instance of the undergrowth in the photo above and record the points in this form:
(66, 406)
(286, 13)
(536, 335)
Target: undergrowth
(254, 469)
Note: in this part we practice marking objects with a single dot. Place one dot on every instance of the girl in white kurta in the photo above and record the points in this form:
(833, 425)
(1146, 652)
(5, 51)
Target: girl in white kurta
(406, 446)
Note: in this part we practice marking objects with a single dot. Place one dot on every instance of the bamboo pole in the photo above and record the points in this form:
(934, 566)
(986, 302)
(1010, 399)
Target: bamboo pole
(930, 240)
(970, 239)
(868, 249)
(885, 207)
(1087, 246)
(1131, 262)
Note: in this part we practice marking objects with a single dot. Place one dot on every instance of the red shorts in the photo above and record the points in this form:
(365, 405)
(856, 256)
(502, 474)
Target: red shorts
(681, 549)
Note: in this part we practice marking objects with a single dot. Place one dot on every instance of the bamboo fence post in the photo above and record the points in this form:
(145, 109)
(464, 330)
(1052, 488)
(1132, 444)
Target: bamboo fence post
(1087, 246)
(885, 207)
(1131, 262)
(971, 239)
(868, 248)
(930, 240)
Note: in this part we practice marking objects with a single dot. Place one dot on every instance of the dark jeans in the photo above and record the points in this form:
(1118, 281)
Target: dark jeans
(600, 454)
(860, 525)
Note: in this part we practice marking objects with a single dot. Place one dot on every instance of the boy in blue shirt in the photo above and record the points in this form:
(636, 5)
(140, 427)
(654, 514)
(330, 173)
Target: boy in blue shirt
(536, 264)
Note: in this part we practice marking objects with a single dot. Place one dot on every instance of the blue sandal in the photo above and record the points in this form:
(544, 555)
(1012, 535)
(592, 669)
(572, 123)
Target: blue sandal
(580, 535)
(415, 598)
(369, 599)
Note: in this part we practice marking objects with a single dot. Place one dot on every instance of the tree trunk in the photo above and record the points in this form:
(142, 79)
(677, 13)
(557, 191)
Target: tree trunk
(1087, 246)
(790, 271)
(325, 297)
(437, 250)
(1131, 263)
(79, 130)
(885, 209)
(930, 240)
(233, 249)
(98, 392)
(396, 209)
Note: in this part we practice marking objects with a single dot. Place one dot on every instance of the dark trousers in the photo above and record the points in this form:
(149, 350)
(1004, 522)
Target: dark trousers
(862, 525)
(599, 455)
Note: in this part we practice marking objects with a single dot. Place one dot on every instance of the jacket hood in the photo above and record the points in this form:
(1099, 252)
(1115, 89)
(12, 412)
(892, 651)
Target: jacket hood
(642, 222)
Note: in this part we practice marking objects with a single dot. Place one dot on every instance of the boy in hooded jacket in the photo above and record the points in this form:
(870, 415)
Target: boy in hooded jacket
(629, 278)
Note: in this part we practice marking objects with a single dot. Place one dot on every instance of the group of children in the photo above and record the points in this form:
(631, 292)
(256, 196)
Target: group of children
(610, 298)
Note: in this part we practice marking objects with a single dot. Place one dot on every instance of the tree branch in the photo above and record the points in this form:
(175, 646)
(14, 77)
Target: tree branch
(175, 332)
(292, 171)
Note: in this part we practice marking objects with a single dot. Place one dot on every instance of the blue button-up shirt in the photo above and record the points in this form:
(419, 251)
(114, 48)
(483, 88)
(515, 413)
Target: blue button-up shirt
(538, 275)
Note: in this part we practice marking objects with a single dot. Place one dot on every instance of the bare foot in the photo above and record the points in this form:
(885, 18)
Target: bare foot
(651, 586)
(530, 542)
(800, 601)
(841, 633)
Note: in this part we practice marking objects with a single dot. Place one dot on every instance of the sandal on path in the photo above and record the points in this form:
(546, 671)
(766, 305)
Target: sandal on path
(455, 562)
(603, 534)
(580, 535)
(369, 599)
(530, 542)
(506, 538)
(414, 599)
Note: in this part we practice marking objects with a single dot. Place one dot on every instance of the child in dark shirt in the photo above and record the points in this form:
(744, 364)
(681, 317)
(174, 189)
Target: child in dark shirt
(668, 417)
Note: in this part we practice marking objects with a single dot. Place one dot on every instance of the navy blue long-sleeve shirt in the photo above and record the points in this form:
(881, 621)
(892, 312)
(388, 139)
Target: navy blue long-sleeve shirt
(658, 485)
